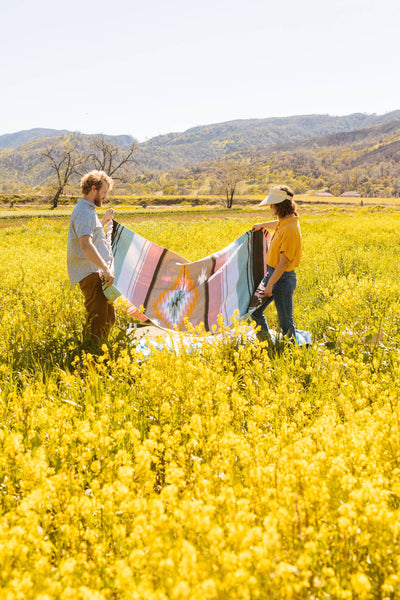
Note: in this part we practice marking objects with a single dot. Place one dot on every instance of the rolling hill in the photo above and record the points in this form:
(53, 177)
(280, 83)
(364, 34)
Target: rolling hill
(318, 150)
(210, 142)
(14, 140)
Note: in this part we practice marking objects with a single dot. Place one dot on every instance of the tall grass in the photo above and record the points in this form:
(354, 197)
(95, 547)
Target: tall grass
(232, 473)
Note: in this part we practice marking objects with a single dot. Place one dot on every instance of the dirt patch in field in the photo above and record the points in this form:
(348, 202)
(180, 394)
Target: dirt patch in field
(150, 332)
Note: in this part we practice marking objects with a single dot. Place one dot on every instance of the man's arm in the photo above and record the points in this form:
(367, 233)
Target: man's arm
(107, 216)
(276, 275)
(91, 254)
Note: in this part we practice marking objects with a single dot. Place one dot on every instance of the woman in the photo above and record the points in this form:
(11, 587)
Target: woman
(282, 258)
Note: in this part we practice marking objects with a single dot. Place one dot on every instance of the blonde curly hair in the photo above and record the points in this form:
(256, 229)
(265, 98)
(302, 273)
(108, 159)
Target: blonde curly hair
(96, 179)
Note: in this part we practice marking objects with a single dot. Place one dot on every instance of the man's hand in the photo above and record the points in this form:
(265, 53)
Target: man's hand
(89, 250)
(108, 215)
(108, 277)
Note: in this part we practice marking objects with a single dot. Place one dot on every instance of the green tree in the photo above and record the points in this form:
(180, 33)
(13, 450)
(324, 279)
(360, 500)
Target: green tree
(336, 189)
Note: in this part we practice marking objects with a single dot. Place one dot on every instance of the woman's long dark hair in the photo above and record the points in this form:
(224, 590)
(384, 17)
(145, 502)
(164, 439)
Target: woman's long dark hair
(288, 206)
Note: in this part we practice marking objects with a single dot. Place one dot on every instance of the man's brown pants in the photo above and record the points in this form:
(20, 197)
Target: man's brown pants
(100, 313)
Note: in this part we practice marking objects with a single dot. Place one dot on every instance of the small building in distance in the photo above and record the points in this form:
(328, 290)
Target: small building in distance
(350, 195)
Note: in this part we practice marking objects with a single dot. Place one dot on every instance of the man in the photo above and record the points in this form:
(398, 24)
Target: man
(89, 257)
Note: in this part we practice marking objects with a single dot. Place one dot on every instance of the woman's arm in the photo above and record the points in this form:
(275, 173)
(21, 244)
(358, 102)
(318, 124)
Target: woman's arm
(266, 225)
(276, 275)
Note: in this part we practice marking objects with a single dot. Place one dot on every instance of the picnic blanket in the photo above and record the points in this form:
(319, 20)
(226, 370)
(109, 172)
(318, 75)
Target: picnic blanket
(171, 289)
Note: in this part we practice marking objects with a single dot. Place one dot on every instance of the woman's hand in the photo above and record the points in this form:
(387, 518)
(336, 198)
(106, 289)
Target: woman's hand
(258, 226)
(268, 290)
(276, 275)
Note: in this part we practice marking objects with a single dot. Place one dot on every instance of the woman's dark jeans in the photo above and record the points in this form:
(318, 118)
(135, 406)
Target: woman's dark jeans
(283, 297)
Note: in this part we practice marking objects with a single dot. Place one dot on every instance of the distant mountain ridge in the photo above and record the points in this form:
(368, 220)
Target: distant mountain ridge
(270, 127)
(210, 142)
(206, 142)
(14, 140)
(372, 132)
(313, 149)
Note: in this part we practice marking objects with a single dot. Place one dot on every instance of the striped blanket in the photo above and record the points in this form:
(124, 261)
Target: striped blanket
(171, 289)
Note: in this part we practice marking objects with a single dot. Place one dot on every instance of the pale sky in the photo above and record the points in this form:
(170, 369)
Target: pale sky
(150, 67)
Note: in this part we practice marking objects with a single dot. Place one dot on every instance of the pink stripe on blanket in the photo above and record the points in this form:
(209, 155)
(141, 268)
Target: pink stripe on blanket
(221, 258)
(215, 293)
(143, 274)
(266, 240)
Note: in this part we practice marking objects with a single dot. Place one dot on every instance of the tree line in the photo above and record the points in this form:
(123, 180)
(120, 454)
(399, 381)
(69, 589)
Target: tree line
(372, 169)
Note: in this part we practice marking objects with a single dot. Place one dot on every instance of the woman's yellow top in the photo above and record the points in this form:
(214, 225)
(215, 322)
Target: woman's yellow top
(286, 239)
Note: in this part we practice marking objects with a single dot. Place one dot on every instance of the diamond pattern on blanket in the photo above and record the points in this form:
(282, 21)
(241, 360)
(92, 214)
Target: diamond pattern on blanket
(178, 301)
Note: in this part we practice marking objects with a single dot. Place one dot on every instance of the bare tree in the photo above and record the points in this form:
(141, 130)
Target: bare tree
(64, 159)
(106, 155)
(225, 182)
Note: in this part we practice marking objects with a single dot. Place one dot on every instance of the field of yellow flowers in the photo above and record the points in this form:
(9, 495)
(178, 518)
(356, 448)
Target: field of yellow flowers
(235, 473)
